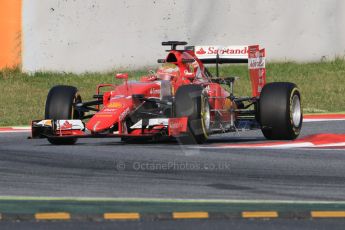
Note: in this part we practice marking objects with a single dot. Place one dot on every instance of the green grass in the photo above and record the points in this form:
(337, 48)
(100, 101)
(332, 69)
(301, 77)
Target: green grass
(322, 84)
(23, 96)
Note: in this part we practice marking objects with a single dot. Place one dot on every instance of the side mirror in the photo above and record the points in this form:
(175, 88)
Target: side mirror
(122, 76)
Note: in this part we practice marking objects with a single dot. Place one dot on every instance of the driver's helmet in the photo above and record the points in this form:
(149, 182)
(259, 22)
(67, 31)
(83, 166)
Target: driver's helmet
(168, 71)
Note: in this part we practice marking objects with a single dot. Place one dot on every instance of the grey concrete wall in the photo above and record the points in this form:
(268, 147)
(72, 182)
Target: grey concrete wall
(100, 35)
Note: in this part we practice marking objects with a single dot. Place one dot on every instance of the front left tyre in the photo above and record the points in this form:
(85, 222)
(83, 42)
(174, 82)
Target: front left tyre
(280, 111)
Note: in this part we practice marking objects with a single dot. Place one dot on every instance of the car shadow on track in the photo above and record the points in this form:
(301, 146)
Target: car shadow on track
(218, 139)
(174, 142)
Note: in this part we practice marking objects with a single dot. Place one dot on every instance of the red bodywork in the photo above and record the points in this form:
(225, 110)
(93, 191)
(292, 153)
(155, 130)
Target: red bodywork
(118, 104)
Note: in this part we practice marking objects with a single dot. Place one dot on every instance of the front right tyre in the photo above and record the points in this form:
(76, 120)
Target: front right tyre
(60, 106)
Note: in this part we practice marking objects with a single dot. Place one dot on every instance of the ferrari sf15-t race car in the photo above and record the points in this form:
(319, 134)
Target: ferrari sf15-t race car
(182, 100)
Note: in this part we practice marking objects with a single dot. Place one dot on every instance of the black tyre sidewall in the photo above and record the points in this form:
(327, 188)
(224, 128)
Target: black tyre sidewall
(275, 111)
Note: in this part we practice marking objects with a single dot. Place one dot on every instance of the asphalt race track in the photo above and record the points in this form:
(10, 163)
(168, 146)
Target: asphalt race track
(216, 170)
(110, 168)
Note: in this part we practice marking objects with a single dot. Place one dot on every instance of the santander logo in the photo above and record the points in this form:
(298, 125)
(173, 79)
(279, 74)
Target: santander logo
(201, 51)
(256, 63)
(66, 126)
(230, 50)
(176, 125)
(155, 91)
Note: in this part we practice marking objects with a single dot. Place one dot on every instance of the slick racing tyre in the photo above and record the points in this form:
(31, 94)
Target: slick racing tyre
(191, 101)
(59, 106)
(280, 111)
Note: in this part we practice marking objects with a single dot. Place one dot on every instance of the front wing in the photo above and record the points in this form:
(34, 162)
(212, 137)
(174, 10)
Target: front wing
(76, 129)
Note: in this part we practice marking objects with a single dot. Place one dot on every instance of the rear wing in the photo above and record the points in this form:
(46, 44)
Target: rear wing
(253, 55)
(221, 54)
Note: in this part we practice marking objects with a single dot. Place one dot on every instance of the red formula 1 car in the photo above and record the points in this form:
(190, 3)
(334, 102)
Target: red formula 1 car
(182, 100)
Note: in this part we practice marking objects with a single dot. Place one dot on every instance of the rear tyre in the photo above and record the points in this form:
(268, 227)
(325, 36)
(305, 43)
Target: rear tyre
(191, 101)
(59, 106)
(280, 111)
